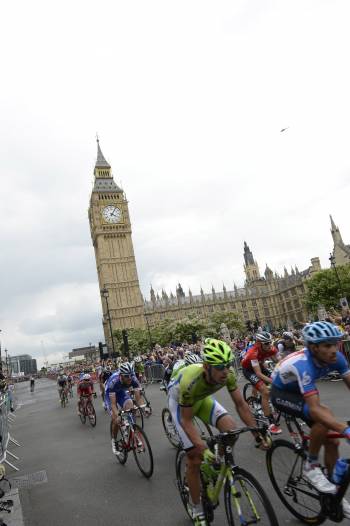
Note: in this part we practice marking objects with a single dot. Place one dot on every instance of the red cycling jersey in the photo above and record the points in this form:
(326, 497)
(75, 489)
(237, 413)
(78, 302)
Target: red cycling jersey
(256, 356)
(85, 388)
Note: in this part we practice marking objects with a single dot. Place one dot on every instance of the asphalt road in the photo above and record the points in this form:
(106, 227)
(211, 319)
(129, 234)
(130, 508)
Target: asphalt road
(86, 485)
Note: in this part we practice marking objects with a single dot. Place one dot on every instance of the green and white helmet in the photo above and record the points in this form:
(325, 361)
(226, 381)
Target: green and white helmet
(216, 352)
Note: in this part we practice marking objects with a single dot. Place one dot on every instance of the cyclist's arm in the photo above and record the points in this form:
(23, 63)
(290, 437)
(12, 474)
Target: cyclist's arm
(242, 408)
(189, 428)
(114, 407)
(322, 415)
(256, 368)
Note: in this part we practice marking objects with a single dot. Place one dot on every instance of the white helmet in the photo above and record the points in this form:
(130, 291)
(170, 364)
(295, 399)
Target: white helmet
(86, 377)
(126, 368)
(191, 358)
(263, 337)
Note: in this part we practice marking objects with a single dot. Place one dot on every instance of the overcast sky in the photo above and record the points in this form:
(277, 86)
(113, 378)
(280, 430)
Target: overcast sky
(188, 98)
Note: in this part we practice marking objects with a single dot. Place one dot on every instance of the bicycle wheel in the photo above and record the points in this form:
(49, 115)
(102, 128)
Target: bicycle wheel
(204, 429)
(63, 401)
(121, 446)
(142, 451)
(256, 410)
(91, 413)
(180, 469)
(169, 428)
(285, 468)
(138, 415)
(246, 501)
(82, 414)
(247, 391)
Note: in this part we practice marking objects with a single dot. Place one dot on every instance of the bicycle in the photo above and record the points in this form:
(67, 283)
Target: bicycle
(245, 500)
(170, 429)
(87, 410)
(63, 398)
(131, 437)
(285, 463)
(70, 390)
(138, 409)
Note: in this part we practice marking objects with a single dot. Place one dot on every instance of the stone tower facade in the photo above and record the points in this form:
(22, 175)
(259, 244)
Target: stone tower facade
(341, 252)
(110, 229)
(270, 300)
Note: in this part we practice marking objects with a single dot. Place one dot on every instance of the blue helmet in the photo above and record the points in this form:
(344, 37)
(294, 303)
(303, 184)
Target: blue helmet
(321, 331)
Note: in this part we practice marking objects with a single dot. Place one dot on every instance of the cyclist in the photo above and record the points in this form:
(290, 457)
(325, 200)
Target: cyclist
(105, 374)
(190, 395)
(70, 382)
(189, 359)
(286, 345)
(254, 370)
(294, 391)
(61, 384)
(117, 394)
(139, 368)
(85, 389)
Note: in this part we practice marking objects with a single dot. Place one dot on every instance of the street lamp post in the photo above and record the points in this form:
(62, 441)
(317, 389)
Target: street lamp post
(105, 294)
(7, 364)
(332, 260)
(149, 334)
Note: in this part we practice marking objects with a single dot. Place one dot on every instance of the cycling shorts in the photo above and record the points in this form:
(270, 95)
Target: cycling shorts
(208, 410)
(252, 377)
(290, 403)
(121, 397)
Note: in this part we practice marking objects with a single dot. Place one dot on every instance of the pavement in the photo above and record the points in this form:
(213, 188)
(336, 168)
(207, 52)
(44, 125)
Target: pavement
(68, 475)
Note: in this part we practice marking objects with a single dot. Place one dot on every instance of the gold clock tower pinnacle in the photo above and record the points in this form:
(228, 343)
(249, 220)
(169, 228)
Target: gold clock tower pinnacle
(110, 229)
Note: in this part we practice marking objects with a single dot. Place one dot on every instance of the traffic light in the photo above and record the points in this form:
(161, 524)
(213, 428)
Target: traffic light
(100, 348)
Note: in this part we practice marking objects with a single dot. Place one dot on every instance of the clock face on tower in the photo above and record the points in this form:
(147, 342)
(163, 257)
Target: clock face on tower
(112, 214)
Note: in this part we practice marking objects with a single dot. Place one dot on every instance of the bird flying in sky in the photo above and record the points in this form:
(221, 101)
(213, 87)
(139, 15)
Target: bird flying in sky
(284, 129)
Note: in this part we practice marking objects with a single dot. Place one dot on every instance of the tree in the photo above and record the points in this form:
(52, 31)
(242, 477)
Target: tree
(232, 321)
(325, 289)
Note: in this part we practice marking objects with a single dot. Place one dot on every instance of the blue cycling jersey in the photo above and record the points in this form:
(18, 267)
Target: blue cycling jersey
(299, 371)
(115, 385)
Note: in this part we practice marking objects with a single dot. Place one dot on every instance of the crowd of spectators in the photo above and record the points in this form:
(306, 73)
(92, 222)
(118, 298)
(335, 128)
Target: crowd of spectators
(166, 356)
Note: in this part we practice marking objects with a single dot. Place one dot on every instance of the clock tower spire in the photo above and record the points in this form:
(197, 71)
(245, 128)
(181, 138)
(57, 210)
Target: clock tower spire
(110, 228)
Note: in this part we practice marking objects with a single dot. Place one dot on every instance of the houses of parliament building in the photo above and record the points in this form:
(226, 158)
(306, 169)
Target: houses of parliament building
(270, 299)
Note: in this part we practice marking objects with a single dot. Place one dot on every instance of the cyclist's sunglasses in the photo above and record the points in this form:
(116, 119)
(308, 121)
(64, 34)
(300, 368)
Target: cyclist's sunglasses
(222, 366)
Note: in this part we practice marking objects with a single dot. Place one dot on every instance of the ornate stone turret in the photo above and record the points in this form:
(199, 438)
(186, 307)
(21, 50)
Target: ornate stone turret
(251, 268)
(179, 291)
(341, 252)
(213, 293)
(153, 296)
(190, 295)
(225, 291)
(268, 273)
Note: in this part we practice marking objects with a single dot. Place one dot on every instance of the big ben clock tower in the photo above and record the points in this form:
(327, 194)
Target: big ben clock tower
(115, 260)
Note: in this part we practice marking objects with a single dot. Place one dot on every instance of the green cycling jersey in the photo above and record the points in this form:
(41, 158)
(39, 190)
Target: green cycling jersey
(190, 386)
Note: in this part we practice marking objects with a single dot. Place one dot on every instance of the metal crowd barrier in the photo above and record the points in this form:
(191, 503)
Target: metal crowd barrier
(346, 349)
(154, 373)
(6, 419)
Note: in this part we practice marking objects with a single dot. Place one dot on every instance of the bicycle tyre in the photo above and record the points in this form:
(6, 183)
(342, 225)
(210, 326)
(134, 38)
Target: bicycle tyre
(247, 391)
(286, 449)
(82, 414)
(180, 463)
(204, 429)
(63, 401)
(171, 435)
(239, 474)
(139, 417)
(139, 433)
(180, 469)
(121, 445)
(91, 413)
